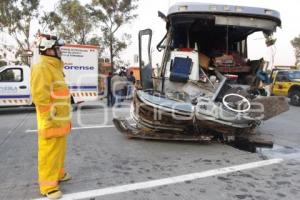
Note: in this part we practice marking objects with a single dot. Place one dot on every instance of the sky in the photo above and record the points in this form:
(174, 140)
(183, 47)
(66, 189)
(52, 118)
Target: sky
(281, 54)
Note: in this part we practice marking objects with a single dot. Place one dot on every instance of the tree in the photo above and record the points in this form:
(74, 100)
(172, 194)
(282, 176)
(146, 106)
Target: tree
(296, 44)
(71, 21)
(97, 41)
(15, 18)
(110, 15)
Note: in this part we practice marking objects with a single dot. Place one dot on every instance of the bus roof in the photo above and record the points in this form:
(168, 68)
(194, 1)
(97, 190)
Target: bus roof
(193, 7)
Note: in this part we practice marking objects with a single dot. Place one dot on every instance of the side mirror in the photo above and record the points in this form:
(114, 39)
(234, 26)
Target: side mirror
(270, 41)
(162, 15)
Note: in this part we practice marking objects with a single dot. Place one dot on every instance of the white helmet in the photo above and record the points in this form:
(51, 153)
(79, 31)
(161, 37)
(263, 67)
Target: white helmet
(48, 42)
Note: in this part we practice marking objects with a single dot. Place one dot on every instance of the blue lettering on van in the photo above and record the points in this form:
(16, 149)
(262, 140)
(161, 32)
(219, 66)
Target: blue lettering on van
(8, 89)
(73, 67)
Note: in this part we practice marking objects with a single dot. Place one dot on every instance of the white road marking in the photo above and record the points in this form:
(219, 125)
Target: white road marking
(79, 128)
(167, 181)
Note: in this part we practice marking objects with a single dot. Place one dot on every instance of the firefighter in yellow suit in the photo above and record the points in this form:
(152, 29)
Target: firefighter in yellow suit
(51, 97)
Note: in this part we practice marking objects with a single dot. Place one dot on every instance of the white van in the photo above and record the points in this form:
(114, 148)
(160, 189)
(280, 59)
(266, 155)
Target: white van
(81, 74)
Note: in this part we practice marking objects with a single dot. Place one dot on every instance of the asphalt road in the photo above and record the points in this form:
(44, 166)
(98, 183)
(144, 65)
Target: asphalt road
(100, 157)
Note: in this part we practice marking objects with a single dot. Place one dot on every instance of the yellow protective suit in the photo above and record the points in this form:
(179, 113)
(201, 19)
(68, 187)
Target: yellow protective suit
(51, 96)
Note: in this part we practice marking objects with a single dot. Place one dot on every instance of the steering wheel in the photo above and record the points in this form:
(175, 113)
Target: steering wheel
(240, 103)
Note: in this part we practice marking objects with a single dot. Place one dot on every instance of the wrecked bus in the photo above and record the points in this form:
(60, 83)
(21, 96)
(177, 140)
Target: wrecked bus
(207, 88)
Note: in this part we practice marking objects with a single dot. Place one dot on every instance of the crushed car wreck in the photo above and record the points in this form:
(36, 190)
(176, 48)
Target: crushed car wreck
(206, 87)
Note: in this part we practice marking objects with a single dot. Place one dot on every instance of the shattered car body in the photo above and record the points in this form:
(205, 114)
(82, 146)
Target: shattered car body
(206, 87)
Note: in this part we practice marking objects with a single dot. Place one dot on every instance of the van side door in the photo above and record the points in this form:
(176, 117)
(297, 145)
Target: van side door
(14, 86)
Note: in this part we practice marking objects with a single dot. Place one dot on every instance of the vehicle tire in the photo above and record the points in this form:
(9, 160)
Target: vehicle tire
(295, 98)
(74, 105)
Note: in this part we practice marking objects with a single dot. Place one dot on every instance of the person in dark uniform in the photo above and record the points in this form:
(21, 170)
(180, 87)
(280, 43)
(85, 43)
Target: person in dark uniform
(110, 96)
(130, 87)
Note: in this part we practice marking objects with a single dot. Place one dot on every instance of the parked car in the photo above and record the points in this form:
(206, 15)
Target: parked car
(287, 83)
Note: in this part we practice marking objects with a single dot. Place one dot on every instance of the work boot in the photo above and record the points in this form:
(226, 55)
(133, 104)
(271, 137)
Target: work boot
(66, 177)
(55, 194)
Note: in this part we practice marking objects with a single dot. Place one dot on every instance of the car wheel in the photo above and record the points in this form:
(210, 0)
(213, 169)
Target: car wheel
(295, 98)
